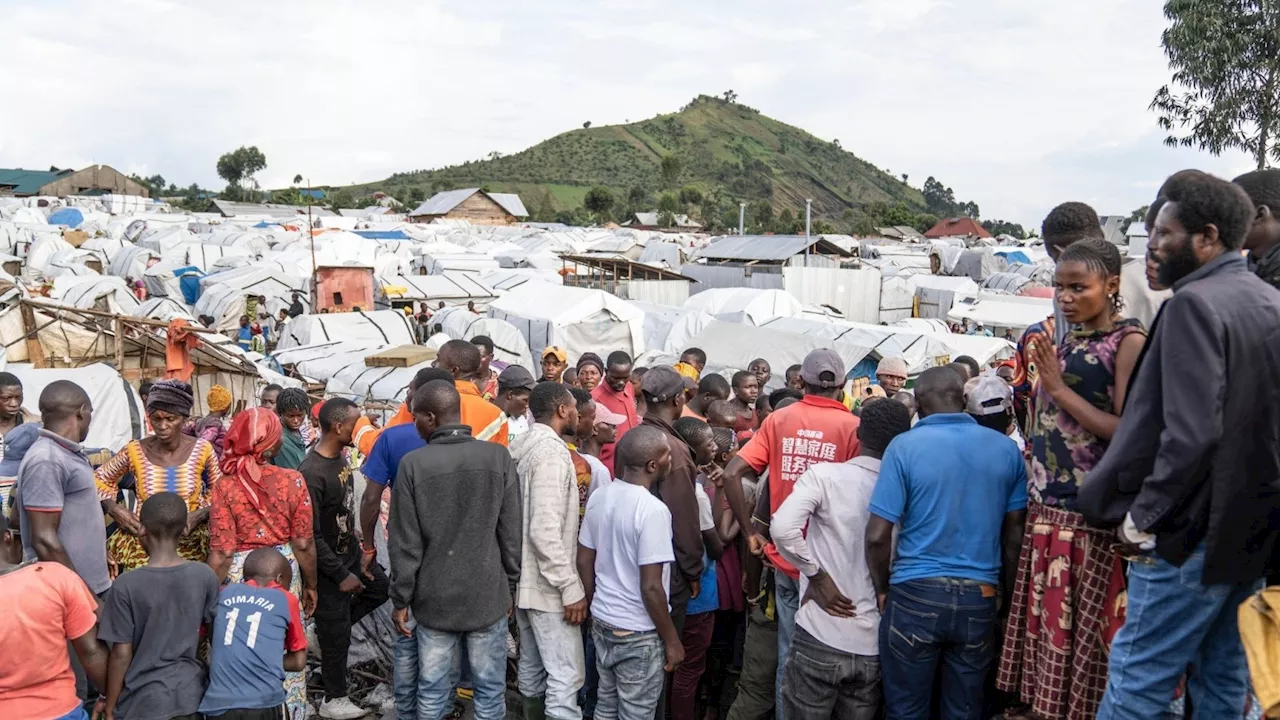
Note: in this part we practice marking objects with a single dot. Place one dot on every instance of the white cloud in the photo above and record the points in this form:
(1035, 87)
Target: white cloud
(1015, 105)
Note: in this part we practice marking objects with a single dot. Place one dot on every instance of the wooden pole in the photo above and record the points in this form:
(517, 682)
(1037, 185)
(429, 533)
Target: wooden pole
(35, 351)
(117, 327)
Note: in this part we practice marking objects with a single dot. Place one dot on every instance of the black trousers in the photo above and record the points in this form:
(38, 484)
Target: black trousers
(275, 713)
(336, 613)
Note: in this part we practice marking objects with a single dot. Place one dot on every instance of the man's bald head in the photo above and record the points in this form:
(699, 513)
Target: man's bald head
(639, 447)
(62, 398)
(439, 398)
(459, 357)
(940, 390)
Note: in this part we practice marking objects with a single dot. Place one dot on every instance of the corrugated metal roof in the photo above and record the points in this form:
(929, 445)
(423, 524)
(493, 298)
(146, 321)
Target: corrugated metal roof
(27, 182)
(775, 248)
(442, 202)
(510, 202)
(234, 209)
(650, 219)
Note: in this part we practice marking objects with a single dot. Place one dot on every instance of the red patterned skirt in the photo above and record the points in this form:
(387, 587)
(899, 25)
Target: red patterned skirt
(1068, 602)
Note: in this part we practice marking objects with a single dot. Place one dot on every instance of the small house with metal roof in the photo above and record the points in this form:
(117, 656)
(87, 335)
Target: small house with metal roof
(474, 205)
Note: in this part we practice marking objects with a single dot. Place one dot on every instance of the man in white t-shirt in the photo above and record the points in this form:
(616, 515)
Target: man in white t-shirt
(624, 559)
(833, 669)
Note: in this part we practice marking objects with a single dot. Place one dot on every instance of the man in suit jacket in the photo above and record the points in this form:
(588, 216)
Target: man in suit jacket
(1192, 475)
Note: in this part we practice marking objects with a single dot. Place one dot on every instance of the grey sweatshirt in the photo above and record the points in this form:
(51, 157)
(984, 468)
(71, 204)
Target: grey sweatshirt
(455, 532)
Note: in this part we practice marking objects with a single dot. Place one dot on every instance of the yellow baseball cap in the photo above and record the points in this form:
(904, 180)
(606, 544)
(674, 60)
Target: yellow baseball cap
(558, 352)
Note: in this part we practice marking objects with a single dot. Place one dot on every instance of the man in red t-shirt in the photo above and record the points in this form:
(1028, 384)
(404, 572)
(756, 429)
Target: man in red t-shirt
(815, 430)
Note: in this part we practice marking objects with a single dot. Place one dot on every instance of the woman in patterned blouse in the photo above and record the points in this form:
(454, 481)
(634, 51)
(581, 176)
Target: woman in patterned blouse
(167, 461)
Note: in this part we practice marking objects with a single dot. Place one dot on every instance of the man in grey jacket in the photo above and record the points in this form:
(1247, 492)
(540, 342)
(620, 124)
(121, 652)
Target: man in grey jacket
(1190, 476)
(454, 537)
(551, 602)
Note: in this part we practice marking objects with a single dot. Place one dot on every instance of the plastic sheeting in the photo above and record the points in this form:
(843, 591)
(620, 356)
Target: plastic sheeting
(117, 409)
(745, 305)
(979, 264)
(381, 327)
(41, 253)
(669, 328)
(733, 346)
(1006, 282)
(71, 217)
(921, 350)
(509, 345)
(106, 293)
(1000, 312)
(453, 288)
(576, 319)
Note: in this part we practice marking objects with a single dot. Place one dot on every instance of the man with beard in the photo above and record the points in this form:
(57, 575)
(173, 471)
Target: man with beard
(1189, 473)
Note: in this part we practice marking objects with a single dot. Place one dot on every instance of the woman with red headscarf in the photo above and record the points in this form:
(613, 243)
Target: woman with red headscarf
(258, 505)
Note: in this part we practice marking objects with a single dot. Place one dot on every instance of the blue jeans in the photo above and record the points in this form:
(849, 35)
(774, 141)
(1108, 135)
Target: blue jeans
(823, 682)
(440, 665)
(77, 714)
(1173, 622)
(587, 695)
(934, 619)
(631, 672)
(787, 603)
(405, 677)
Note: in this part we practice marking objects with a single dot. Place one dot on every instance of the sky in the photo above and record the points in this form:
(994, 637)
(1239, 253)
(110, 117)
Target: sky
(1015, 105)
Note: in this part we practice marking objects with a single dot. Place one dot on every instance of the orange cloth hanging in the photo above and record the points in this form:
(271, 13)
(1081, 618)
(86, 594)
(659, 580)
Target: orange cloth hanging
(177, 352)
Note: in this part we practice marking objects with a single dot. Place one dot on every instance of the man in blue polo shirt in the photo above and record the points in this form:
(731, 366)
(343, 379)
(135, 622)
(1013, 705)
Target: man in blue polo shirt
(958, 493)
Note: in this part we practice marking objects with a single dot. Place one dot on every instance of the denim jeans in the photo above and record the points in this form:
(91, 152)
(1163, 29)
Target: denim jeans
(787, 602)
(405, 679)
(821, 682)
(587, 695)
(551, 662)
(440, 665)
(1173, 622)
(631, 672)
(934, 619)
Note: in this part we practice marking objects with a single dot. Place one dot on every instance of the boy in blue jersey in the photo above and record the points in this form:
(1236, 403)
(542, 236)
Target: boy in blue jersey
(257, 636)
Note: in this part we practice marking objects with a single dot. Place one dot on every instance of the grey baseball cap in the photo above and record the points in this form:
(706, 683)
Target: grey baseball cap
(823, 360)
(516, 377)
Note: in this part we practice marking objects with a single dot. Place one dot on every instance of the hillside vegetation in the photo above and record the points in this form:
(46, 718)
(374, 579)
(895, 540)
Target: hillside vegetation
(702, 160)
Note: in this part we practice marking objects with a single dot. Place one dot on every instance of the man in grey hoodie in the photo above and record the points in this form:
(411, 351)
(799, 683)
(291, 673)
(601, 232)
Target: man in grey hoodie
(550, 601)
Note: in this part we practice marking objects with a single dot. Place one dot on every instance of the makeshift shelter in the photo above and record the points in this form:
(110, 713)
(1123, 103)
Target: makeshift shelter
(747, 306)
(979, 264)
(576, 319)
(1001, 312)
(68, 216)
(669, 328)
(920, 350)
(132, 262)
(107, 293)
(344, 288)
(52, 336)
(733, 346)
(936, 294)
(509, 345)
(380, 327)
(40, 254)
(1006, 282)
(117, 410)
(222, 294)
(451, 288)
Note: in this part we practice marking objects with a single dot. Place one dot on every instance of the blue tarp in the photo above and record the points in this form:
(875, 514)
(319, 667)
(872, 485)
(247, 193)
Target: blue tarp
(189, 281)
(71, 217)
(263, 224)
(381, 234)
(1015, 256)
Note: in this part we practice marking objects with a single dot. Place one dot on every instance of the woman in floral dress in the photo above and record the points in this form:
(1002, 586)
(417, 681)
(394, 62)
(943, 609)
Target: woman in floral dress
(1068, 599)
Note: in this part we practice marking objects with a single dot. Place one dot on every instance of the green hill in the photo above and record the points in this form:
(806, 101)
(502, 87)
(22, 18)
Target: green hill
(724, 153)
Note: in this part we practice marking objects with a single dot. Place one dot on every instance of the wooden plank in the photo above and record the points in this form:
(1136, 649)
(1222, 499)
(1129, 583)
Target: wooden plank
(35, 351)
(401, 356)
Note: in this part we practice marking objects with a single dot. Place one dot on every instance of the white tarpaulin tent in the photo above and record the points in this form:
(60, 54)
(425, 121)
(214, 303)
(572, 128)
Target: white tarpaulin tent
(451, 288)
(733, 346)
(222, 294)
(998, 312)
(749, 306)
(576, 319)
(669, 328)
(380, 327)
(94, 292)
(509, 345)
(117, 409)
(921, 351)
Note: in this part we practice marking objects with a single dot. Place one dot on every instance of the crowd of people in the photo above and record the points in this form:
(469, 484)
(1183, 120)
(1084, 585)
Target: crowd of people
(1070, 534)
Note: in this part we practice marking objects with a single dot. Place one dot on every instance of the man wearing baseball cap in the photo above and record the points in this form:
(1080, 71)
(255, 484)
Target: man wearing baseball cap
(892, 374)
(514, 385)
(554, 362)
(817, 429)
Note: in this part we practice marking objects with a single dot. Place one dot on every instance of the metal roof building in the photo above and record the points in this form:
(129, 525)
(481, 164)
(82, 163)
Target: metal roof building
(443, 203)
(769, 248)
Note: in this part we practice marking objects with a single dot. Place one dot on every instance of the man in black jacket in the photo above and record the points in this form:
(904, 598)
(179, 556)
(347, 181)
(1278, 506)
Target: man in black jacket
(1263, 241)
(455, 541)
(1193, 471)
(345, 595)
